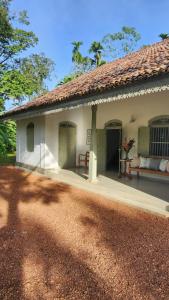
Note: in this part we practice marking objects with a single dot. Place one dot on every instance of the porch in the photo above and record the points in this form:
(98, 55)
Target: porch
(59, 138)
(101, 128)
(150, 194)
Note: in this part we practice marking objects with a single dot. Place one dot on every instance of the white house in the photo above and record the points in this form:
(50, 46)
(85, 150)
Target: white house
(128, 98)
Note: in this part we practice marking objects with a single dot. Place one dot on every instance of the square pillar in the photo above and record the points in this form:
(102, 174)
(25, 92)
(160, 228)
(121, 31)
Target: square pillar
(93, 147)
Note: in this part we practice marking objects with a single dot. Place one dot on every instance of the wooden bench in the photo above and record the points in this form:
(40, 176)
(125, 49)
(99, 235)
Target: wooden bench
(147, 171)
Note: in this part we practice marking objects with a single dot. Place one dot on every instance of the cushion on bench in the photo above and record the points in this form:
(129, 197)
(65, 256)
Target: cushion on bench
(154, 164)
(167, 167)
(144, 162)
(163, 165)
(150, 165)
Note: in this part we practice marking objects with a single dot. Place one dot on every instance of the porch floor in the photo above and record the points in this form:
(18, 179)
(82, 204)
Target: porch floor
(151, 194)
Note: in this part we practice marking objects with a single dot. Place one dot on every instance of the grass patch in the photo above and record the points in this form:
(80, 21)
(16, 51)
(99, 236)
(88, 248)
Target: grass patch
(8, 159)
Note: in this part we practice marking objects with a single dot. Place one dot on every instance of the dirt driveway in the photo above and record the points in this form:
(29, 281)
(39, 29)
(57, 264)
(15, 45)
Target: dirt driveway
(57, 242)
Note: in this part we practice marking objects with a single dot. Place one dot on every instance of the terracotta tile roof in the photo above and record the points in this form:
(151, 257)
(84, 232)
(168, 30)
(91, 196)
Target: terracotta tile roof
(146, 63)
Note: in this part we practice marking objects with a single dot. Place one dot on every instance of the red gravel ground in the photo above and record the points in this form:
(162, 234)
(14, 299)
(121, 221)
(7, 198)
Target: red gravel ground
(58, 242)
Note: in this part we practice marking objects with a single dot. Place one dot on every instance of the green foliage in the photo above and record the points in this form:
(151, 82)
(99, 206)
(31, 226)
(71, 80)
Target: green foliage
(81, 63)
(20, 78)
(13, 40)
(76, 55)
(35, 69)
(85, 63)
(164, 36)
(3, 140)
(23, 17)
(97, 49)
(120, 43)
(11, 136)
(27, 80)
(7, 137)
(111, 46)
(8, 159)
(68, 78)
(13, 85)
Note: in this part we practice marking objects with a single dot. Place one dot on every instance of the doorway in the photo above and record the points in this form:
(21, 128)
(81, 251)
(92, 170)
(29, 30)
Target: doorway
(113, 143)
(67, 145)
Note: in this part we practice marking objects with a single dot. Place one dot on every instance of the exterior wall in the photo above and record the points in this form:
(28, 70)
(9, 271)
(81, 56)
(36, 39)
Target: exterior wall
(140, 109)
(37, 157)
(81, 118)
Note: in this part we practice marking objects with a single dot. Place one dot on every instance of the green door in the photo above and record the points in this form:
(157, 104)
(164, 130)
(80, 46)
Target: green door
(67, 146)
(101, 150)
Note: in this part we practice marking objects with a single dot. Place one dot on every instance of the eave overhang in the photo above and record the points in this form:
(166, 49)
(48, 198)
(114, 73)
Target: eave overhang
(149, 86)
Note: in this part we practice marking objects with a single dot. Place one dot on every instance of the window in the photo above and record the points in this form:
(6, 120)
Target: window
(30, 137)
(159, 136)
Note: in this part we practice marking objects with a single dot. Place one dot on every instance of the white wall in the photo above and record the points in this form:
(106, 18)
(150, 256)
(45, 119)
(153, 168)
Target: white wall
(81, 117)
(142, 108)
(36, 158)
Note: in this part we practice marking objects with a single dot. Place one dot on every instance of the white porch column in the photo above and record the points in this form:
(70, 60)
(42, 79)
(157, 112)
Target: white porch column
(93, 147)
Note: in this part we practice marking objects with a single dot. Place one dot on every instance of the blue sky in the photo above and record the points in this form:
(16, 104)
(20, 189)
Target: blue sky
(59, 22)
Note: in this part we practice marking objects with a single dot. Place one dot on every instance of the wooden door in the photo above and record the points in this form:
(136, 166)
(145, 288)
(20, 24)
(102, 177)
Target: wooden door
(113, 142)
(67, 147)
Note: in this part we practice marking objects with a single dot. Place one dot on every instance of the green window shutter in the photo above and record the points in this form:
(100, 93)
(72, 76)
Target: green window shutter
(30, 137)
(101, 149)
(143, 140)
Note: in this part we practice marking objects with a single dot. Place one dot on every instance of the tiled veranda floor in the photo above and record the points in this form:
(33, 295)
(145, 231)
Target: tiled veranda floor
(147, 193)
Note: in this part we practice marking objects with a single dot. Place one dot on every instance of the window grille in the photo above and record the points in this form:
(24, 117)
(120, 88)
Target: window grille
(159, 137)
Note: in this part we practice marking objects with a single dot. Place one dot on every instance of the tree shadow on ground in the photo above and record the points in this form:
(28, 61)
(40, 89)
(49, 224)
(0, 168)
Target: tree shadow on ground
(62, 274)
(139, 241)
(11, 256)
(17, 186)
(66, 275)
(20, 184)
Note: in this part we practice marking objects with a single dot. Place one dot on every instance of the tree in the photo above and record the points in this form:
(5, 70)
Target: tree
(35, 69)
(86, 63)
(97, 49)
(120, 43)
(112, 46)
(20, 78)
(7, 137)
(81, 63)
(76, 55)
(68, 78)
(164, 36)
(13, 40)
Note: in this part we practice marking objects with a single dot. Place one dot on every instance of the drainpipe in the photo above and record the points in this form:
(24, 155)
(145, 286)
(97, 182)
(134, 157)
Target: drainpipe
(93, 147)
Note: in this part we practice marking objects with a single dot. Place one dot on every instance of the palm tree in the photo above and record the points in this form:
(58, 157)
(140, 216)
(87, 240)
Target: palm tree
(164, 36)
(76, 55)
(97, 49)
